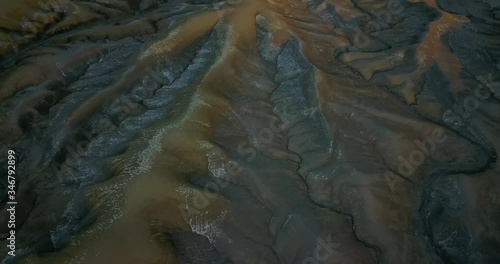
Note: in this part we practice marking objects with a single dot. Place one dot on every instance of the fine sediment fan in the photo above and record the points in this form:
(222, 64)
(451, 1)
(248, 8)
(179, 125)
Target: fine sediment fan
(256, 131)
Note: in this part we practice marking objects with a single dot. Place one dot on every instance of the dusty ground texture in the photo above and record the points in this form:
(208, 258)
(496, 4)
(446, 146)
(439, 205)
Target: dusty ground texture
(252, 131)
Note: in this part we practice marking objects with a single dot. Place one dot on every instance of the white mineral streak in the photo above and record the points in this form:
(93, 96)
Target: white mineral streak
(216, 160)
(210, 228)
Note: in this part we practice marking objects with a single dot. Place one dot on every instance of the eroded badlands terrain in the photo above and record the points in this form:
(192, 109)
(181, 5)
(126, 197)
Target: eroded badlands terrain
(252, 131)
